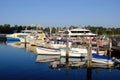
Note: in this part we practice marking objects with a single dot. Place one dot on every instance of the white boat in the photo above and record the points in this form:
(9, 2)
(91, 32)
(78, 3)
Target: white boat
(79, 51)
(60, 43)
(53, 47)
(78, 36)
(78, 33)
(47, 50)
(35, 34)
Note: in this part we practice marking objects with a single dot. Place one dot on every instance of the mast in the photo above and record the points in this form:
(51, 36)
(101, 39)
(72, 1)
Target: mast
(50, 31)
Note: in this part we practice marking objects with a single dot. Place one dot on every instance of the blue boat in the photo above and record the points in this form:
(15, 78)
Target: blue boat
(101, 59)
(12, 39)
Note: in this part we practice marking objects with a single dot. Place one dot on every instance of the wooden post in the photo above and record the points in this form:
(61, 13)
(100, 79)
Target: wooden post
(67, 51)
(25, 43)
(67, 55)
(89, 62)
(110, 47)
(97, 46)
(50, 32)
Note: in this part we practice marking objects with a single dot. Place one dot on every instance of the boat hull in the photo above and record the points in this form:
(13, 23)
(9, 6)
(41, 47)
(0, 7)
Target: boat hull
(12, 39)
(46, 50)
(73, 53)
(101, 59)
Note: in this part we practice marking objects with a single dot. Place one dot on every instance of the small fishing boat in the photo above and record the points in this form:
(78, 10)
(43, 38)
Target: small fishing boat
(47, 50)
(101, 59)
(53, 47)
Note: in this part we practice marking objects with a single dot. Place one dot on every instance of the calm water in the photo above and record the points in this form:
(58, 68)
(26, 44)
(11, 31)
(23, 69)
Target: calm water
(20, 64)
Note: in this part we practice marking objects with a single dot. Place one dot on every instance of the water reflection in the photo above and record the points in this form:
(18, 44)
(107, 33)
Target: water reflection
(3, 42)
(58, 63)
(89, 73)
(47, 58)
(26, 47)
(57, 60)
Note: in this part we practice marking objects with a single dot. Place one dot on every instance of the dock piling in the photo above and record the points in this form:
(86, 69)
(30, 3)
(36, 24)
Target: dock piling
(67, 51)
(89, 61)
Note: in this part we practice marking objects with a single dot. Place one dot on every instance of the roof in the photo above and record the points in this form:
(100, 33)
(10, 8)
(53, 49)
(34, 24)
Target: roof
(79, 29)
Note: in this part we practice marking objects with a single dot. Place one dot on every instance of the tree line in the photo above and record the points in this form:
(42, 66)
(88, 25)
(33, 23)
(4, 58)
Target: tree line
(8, 29)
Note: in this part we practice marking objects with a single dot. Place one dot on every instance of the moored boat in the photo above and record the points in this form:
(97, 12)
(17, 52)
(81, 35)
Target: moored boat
(101, 59)
(74, 52)
(26, 36)
(47, 50)
(12, 39)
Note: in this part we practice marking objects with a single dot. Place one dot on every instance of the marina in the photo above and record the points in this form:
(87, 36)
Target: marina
(60, 40)
(21, 61)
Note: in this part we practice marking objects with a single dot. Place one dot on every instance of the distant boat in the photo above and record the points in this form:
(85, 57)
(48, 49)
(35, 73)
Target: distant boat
(101, 59)
(26, 36)
(74, 34)
(78, 36)
(16, 36)
(12, 39)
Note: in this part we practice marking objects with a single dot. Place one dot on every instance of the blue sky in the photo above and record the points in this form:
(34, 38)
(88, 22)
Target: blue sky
(60, 13)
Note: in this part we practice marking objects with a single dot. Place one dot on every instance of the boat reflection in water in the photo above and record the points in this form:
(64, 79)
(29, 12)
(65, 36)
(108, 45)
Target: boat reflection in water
(56, 62)
(76, 68)
(47, 58)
